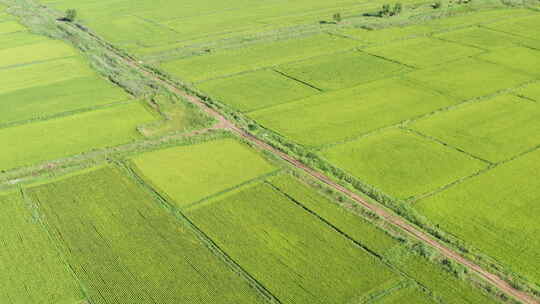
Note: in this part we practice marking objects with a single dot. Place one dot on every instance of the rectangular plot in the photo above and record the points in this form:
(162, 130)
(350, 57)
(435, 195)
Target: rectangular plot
(294, 255)
(526, 26)
(429, 274)
(42, 74)
(256, 90)
(189, 174)
(423, 52)
(406, 295)
(42, 101)
(348, 113)
(35, 52)
(126, 248)
(401, 163)
(482, 37)
(222, 63)
(496, 212)
(385, 35)
(469, 78)
(475, 18)
(13, 40)
(65, 136)
(531, 91)
(33, 271)
(11, 27)
(522, 59)
(343, 70)
(495, 129)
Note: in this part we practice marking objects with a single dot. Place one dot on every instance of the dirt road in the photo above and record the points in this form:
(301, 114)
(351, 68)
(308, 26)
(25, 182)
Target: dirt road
(397, 221)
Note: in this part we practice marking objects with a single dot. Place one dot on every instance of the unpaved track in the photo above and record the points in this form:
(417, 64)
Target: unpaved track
(397, 221)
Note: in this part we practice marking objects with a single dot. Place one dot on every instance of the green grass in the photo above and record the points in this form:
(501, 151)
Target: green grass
(343, 70)
(188, 174)
(406, 295)
(33, 271)
(531, 91)
(126, 248)
(495, 129)
(35, 52)
(255, 90)
(222, 63)
(42, 74)
(469, 78)
(41, 101)
(526, 26)
(401, 163)
(288, 250)
(11, 27)
(46, 140)
(423, 52)
(431, 275)
(523, 59)
(13, 40)
(496, 212)
(348, 113)
(482, 37)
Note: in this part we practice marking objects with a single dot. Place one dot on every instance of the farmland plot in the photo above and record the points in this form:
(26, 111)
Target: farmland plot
(401, 163)
(189, 174)
(526, 26)
(297, 257)
(405, 295)
(256, 90)
(60, 137)
(7, 27)
(496, 212)
(40, 51)
(222, 63)
(18, 39)
(423, 52)
(523, 59)
(482, 37)
(441, 283)
(344, 114)
(531, 91)
(125, 248)
(33, 271)
(469, 78)
(496, 129)
(343, 70)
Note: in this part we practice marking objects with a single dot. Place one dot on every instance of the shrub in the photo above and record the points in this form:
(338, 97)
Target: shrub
(337, 17)
(71, 14)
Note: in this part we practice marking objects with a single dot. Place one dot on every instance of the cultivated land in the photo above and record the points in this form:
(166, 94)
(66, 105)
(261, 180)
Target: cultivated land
(117, 188)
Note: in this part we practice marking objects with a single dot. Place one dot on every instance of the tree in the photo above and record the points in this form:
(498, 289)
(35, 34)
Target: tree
(397, 9)
(337, 17)
(71, 14)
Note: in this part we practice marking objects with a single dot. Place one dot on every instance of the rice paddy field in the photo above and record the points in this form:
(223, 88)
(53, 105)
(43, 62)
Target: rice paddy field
(117, 190)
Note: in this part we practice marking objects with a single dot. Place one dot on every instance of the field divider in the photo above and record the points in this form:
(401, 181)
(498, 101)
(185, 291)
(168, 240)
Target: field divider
(179, 215)
(297, 80)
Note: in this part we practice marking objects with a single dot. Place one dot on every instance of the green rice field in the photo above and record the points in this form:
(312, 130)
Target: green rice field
(117, 188)
(189, 174)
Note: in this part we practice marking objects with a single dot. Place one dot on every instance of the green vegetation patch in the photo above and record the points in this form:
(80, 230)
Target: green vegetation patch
(11, 27)
(401, 163)
(343, 70)
(431, 275)
(531, 91)
(482, 37)
(40, 141)
(496, 212)
(222, 63)
(520, 58)
(189, 174)
(126, 248)
(526, 26)
(288, 250)
(406, 295)
(348, 113)
(33, 270)
(42, 101)
(256, 90)
(495, 129)
(42, 74)
(423, 52)
(14, 40)
(469, 78)
(35, 52)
